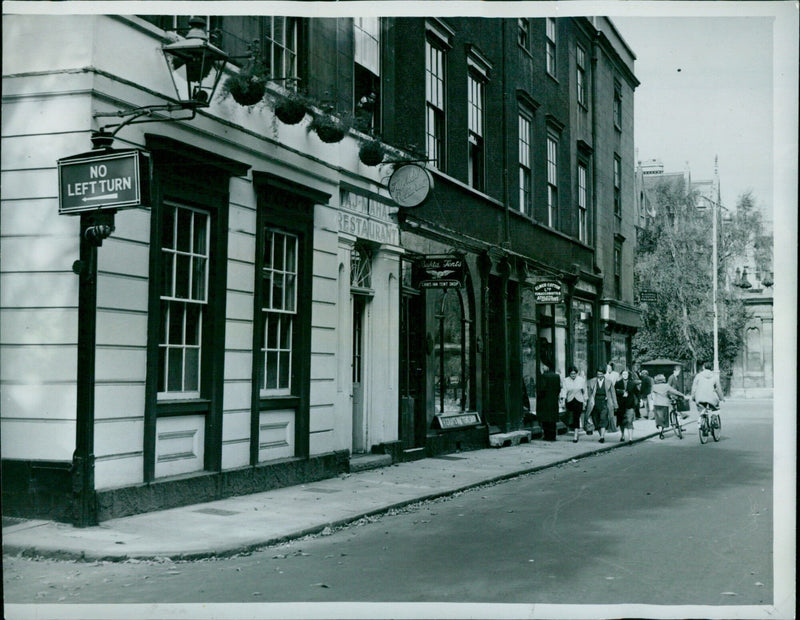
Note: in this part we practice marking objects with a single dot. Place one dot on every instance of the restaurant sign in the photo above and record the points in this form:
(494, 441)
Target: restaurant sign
(442, 272)
(548, 292)
(116, 180)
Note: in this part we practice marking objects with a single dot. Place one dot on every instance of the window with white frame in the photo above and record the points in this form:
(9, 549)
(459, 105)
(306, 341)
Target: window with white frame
(552, 180)
(617, 111)
(617, 186)
(580, 78)
(184, 299)
(525, 199)
(279, 310)
(475, 96)
(583, 195)
(551, 46)
(434, 98)
(280, 47)
(367, 72)
(523, 32)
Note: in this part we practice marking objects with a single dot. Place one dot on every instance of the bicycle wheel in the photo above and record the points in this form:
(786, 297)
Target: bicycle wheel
(716, 426)
(702, 425)
(676, 423)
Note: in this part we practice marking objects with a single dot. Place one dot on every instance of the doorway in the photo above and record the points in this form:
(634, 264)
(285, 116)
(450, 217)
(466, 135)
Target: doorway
(359, 417)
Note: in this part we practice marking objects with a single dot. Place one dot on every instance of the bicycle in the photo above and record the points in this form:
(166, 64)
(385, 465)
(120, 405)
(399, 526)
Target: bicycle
(674, 419)
(708, 423)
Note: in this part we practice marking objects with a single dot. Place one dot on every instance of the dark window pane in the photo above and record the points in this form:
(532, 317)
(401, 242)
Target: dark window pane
(162, 361)
(191, 378)
(193, 319)
(286, 333)
(199, 279)
(175, 361)
(167, 265)
(200, 227)
(176, 323)
(168, 231)
(182, 277)
(272, 370)
(184, 230)
(272, 331)
(284, 370)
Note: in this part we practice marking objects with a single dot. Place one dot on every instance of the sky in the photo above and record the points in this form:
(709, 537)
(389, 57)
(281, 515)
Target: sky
(706, 91)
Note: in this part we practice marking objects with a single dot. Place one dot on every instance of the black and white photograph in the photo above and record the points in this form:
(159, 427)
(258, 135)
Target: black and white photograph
(400, 309)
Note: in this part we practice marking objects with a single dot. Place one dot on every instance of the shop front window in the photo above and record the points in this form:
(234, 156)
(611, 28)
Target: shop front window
(528, 347)
(619, 351)
(452, 359)
(581, 337)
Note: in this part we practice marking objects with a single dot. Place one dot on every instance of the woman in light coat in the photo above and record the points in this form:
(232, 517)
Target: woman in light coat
(601, 402)
(662, 394)
(574, 394)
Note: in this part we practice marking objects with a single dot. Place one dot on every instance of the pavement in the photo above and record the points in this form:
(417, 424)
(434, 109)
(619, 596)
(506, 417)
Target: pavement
(243, 524)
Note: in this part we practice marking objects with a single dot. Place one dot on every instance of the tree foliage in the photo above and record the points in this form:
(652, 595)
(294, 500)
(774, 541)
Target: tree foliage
(674, 259)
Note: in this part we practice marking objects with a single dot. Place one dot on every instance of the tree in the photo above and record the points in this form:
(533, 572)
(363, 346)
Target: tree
(674, 259)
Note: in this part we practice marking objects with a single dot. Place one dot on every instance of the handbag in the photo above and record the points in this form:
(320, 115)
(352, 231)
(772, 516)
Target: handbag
(682, 405)
(588, 425)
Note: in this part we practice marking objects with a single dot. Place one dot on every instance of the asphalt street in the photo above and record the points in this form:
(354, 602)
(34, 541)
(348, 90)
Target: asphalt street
(664, 522)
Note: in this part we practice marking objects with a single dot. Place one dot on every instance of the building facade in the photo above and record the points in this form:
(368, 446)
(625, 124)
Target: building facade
(273, 311)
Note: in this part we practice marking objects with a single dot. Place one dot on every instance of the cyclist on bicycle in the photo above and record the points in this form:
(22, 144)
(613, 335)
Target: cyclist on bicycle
(706, 391)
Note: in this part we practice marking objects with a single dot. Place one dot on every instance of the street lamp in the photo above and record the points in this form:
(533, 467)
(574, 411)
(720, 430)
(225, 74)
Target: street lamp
(195, 67)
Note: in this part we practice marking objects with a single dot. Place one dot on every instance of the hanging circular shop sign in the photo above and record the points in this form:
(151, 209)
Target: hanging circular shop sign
(548, 292)
(410, 185)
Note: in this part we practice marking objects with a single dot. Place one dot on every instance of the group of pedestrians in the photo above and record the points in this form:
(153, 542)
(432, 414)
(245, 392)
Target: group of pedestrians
(609, 401)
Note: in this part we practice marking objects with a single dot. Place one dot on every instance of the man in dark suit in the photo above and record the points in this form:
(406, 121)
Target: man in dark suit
(548, 390)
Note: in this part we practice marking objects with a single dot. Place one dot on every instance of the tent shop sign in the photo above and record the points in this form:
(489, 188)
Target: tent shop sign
(111, 181)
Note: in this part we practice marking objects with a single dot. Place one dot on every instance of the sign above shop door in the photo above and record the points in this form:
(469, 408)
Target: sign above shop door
(442, 272)
(548, 292)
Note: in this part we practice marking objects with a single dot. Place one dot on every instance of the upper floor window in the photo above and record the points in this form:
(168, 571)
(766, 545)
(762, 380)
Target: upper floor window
(617, 269)
(552, 180)
(523, 32)
(434, 103)
(475, 96)
(367, 72)
(617, 112)
(525, 197)
(583, 199)
(551, 46)
(280, 46)
(617, 186)
(580, 78)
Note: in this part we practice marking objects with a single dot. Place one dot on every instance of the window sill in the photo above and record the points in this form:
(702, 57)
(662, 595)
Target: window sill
(271, 403)
(192, 406)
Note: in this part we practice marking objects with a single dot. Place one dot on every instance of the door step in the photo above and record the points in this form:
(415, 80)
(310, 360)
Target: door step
(363, 462)
(502, 440)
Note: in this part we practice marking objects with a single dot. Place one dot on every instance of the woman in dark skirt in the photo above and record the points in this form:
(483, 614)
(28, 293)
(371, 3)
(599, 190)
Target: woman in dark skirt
(627, 401)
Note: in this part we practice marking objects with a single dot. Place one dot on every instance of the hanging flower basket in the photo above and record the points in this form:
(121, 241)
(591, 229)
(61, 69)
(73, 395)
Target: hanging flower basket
(245, 88)
(371, 152)
(290, 109)
(329, 128)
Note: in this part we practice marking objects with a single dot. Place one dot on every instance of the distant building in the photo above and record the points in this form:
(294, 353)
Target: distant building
(752, 373)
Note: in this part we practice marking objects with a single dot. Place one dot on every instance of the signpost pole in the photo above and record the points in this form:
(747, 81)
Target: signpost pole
(94, 227)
